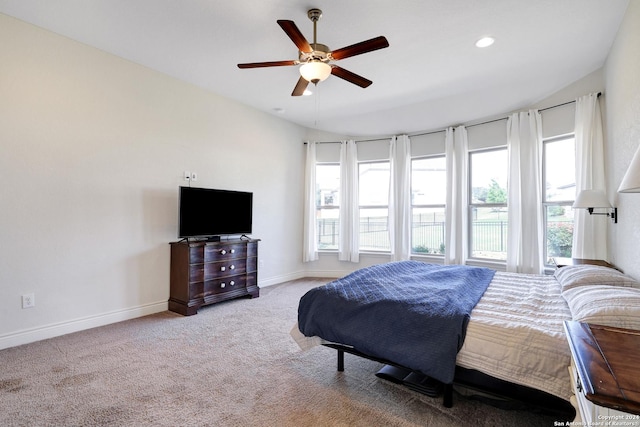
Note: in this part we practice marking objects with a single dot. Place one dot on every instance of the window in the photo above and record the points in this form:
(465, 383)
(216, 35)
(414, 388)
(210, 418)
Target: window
(488, 204)
(428, 200)
(373, 187)
(328, 205)
(559, 193)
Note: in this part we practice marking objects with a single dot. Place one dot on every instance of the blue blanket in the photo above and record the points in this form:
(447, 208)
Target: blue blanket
(408, 312)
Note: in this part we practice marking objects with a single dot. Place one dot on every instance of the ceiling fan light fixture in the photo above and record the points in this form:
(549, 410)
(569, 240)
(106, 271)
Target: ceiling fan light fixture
(315, 71)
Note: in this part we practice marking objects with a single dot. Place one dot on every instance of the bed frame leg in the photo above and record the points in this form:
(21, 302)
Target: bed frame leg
(447, 398)
(340, 360)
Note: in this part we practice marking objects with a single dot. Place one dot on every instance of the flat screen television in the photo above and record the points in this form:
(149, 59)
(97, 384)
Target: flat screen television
(207, 212)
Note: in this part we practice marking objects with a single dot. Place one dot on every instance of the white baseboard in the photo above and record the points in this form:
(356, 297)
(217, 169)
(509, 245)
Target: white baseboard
(56, 329)
(330, 274)
(263, 283)
(27, 336)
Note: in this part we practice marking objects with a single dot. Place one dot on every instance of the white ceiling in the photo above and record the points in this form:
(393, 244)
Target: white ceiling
(430, 77)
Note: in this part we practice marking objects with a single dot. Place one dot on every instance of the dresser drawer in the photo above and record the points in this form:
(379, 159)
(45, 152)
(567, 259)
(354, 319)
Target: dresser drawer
(224, 269)
(227, 284)
(585, 410)
(213, 270)
(224, 252)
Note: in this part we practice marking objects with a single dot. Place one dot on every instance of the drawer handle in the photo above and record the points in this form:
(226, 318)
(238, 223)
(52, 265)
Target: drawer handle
(233, 251)
(222, 252)
(232, 283)
(222, 285)
(232, 267)
(223, 268)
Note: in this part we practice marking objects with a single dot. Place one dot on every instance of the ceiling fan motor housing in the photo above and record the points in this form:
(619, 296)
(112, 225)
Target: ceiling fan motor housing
(320, 53)
(314, 14)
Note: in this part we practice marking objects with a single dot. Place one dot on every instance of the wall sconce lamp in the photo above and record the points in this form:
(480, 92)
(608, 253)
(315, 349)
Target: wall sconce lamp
(631, 181)
(590, 199)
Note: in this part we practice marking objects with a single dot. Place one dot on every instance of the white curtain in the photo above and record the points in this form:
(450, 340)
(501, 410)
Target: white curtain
(456, 147)
(589, 231)
(349, 239)
(524, 199)
(310, 240)
(400, 198)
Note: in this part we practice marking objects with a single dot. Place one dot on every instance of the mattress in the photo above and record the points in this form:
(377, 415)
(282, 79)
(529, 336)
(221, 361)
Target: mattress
(515, 334)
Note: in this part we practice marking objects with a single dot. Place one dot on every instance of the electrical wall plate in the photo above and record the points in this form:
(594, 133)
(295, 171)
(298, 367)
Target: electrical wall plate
(28, 300)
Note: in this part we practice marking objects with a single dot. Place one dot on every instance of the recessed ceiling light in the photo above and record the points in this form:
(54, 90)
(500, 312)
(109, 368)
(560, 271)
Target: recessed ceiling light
(485, 42)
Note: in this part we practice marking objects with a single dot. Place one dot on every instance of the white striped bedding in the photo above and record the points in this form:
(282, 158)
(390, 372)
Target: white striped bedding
(516, 333)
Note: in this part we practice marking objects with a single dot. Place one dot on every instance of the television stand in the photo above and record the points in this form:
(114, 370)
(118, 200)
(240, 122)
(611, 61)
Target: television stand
(207, 272)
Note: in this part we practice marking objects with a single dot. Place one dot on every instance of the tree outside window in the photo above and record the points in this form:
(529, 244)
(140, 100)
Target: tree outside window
(488, 205)
(558, 195)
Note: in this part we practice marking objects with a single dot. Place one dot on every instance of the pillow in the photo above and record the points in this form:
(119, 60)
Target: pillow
(572, 276)
(605, 305)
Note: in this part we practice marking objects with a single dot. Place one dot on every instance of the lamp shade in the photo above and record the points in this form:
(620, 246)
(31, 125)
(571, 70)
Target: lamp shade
(631, 181)
(591, 199)
(315, 71)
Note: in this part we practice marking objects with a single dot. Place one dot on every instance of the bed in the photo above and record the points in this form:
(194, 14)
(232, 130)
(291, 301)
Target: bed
(514, 333)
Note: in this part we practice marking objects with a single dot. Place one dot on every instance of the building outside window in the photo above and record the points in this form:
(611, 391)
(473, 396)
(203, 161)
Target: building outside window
(428, 200)
(373, 188)
(328, 205)
(488, 213)
(559, 194)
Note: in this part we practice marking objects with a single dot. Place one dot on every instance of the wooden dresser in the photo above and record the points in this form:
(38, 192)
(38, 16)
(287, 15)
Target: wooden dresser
(208, 272)
(605, 371)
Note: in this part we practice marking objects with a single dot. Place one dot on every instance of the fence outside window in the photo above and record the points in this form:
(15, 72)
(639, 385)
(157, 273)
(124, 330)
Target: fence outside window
(489, 237)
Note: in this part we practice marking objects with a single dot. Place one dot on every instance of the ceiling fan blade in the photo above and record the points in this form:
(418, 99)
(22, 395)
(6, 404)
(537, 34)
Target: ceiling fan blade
(350, 77)
(360, 48)
(267, 64)
(295, 35)
(301, 86)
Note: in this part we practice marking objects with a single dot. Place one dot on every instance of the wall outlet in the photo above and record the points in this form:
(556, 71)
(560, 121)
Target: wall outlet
(28, 300)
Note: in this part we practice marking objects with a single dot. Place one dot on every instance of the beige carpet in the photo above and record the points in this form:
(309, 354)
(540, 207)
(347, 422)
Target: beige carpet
(232, 364)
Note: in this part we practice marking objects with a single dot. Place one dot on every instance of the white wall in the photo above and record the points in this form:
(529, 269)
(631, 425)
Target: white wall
(92, 151)
(622, 75)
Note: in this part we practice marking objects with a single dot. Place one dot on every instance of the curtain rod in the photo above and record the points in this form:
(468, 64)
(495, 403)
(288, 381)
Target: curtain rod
(444, 130)
(382, 139)
(566, 103)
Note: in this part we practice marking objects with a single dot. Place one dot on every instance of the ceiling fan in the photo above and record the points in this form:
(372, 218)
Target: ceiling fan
(316, 58)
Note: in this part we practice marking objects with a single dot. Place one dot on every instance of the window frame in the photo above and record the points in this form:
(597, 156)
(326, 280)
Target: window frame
(471, 206)
(545, 203)
(412, 206)
(381, 206)
(320, 207)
